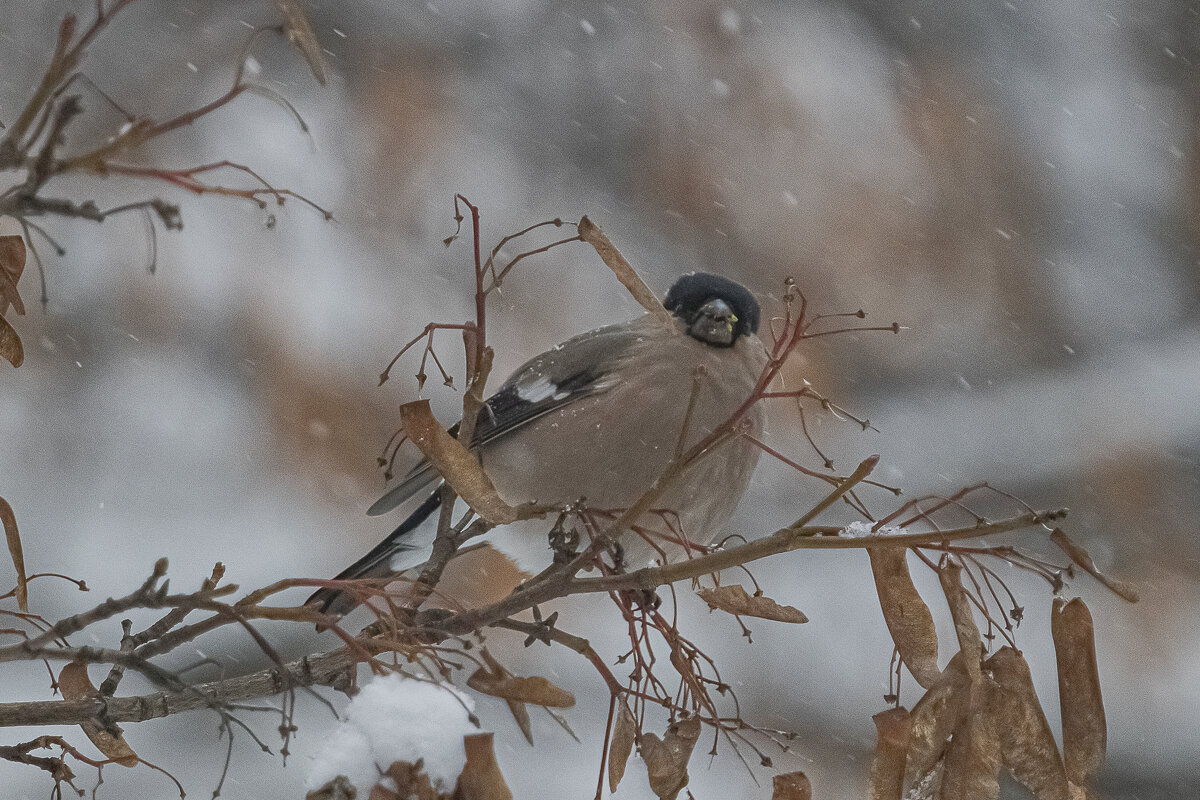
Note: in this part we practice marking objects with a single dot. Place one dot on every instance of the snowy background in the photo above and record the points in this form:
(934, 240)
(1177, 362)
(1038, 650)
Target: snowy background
(1017, 182)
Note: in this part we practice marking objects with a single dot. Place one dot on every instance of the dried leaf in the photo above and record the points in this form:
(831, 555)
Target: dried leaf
(410, 782)
(14, 550)
(12, 264)
(969, 643)
(893, 731)
(521, 717)
(971, 770)
(667, 759)
(908, 619)
(791, 786)
(1085, 729)
(518, 710)
(300, 33)
(481, 778)
(340, 788)
(935, 716)
(10, 344)
(1027, 744)
(624, 731)
(590, 232)
(75, 685)
(457, 465)
(734, 600)
(535, 690)
(1083, 560)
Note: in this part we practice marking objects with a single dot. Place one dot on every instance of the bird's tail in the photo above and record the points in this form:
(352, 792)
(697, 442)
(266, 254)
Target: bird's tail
(375, 564)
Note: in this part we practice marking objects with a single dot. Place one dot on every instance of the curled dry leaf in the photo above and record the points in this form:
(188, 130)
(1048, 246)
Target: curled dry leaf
(969, 643)
(971, 770)
(16, 552)
(908, 619)
(893, 730)
(624, 731)
(735, 600)
(1084, 726)
(791, 786)
(535, 690)
(521, 716)
(408, 782)
(667, 759)
(12, 264)
(340, 788)
(481, 778)
(10, 344)
(935, 716)
(300, 33)
(1027, 746)
(75, 685)
(518, 710)
(457, 465)
(590, 232)
(1084, 561)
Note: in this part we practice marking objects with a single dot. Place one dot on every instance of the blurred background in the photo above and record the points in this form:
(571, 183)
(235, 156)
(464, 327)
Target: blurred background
(1015, 182)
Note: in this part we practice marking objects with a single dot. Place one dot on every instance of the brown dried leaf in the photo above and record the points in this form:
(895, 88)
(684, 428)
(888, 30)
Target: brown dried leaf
(535, 690)
(340, 788)
(457, 465)
(971, 770)
(518, 710)
(12, 264)
(1027, 744)
(10, 344)
(624, 731)
(14, 550)
(908, 619)
(893, 731)
(481, 778)
(969, 643)
(411, 783)
(300, 33)
(935, 716)
(521, 717)
(1085, 730)
(1083, 560)
(590, 232)
(791, 786)
(734, 600)
(75, 685)
(667, 759)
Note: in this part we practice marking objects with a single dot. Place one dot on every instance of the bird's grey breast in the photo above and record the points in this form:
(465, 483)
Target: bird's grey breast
(609, 445)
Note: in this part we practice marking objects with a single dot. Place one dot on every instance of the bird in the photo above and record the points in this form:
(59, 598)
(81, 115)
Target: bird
(595, 421)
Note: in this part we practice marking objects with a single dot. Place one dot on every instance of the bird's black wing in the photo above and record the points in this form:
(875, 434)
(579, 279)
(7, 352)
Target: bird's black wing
(575, 369)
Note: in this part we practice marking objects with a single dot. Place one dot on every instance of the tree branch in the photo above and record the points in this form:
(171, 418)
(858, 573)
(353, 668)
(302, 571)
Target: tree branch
(333, 668)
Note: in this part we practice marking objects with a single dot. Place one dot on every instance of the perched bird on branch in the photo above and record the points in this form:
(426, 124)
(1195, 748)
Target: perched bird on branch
(598, 419)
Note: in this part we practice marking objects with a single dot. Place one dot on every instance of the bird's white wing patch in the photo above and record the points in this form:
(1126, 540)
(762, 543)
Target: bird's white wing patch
(535, 391)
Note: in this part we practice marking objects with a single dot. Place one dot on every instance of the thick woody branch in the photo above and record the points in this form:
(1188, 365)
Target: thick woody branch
(327, 669)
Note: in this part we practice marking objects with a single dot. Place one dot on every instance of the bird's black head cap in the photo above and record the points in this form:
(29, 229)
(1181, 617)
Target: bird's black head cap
(692, 297)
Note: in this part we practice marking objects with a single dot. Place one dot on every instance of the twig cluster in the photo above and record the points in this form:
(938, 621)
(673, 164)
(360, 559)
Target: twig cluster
(34, 148)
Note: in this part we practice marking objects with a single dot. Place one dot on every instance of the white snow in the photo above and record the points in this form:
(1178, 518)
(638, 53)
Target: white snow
(394, 718)
(859, 529)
